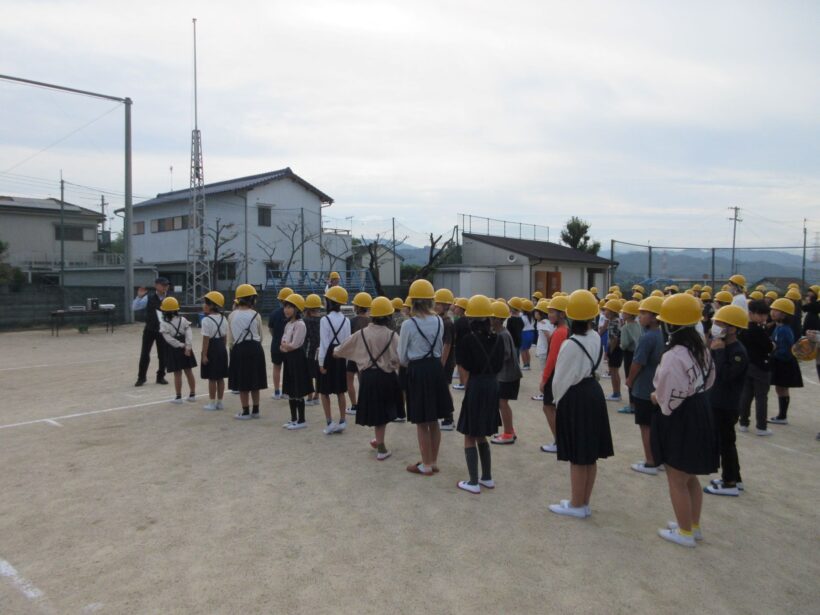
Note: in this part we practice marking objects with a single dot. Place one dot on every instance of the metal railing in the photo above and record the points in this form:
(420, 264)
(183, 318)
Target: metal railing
(479, 225)
(44, 261)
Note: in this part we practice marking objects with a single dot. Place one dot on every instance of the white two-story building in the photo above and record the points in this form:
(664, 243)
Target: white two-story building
(271, 221)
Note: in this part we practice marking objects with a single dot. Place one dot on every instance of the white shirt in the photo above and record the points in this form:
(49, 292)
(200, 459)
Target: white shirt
(244, 325)
(334, 321)
(528, 326)
(295, 332)
(545, 329)
(572, 364)
(214, 326)
(169, 331)
(740, 299)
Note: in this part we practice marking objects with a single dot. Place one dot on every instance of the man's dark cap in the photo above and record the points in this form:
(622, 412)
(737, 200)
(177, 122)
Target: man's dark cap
(161, 280)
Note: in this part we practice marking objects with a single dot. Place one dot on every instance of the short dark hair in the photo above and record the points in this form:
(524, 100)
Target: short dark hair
(758, 306)
(212, 305)
(382, 320)
(332, 306)
(579, 327)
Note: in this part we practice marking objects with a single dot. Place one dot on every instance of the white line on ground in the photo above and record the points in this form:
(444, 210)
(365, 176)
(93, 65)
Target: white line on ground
(12, 369)
(53, 422)
(79, 414)
(786, 448)
(25, 586)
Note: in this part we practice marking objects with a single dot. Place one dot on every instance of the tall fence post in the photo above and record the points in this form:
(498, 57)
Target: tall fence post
(713, 269)
(650, 263)
(613, 267)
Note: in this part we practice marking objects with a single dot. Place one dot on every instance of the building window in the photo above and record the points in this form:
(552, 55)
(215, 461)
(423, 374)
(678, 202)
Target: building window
(264, 216)
(172, 223)
(226, 271)
(139, 228)
(72, 233)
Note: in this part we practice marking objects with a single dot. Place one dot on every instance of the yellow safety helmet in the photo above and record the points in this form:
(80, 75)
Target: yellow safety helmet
(733, 315)
(408, 303)
(421, 289)
(639, 288)
(284, 293)
(706, 296)
(614, 305)
(637, 296)
(725, 287)
(543, 306)
(651, 304)
(337, 294)
(381, 306)
(761, 288)
(313, 301)
(362, 300)
(707, 289)
(697, 287)
(611, 296)
(559, 304)
(334, 275)
(479, 306)
(756, 295)
(169, 304)
(527, 305)
(631, 308)
(614, 287)
(516, 303)
(538, 295)
(772, 295)
(602, 303)
(445, 296)
(593, 290)
(793, 294)
(462, 303)
(783, 305)
(296, 301)
(738, 280)
(557, 293)
(724, 296)
(245, 290)
(501, 310)
(618, 294)
(815, 289)
(656, 293)
(793, 285)
(397, 303)
(582, 305)
(682, 310)
(215, 297)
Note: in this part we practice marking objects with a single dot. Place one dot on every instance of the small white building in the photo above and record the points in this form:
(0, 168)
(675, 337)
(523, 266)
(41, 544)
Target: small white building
(519, 267)
(272, 220)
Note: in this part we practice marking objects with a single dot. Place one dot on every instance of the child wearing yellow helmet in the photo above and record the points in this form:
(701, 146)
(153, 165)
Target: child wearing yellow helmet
(361, 307)
(614, 354)
(785, 368)
(630, 334)
(311, 318)
(558, 319)
(276, 326)
(756, 386)
(247, 372)
(334, 329)
(375, 350)
(214, 356)
(296, 380)
(443, 300)
(461, 327)
(509, 378)
(179, 354)
(515, 323)
(527, 333)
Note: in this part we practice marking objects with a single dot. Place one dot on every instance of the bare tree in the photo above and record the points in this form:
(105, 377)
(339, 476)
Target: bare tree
(436, 253)
(220, 235)
(296, 238)
(377, 249)
(334, 257)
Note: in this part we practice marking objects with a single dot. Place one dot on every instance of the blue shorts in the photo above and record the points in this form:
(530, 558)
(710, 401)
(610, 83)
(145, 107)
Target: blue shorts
(528, 338)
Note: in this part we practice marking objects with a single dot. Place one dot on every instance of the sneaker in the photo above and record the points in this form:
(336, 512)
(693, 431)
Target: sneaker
(285, 397)
(719, 483)
(489, 483)
(191, 399)
(474, 489)
(645, 469)
(613, 397)
(764, 432)
(288, 424)
(219, 405)
(587, 509)
(242, 416)
(340, 427)
(161, 380)
(549, 448)
(312, 402)
(415, 468)
(297, 425)
(525, 368)
(447, 425)
(504, 438)
(778, 421)
(721, 490)
(400, 419)
(331, 428)
(139, 382)
(743, 429)
(254, 415)
(677, 538)
(176, 400)
(697, 534)
(210, 406)
(234, 392)
(626, 410)
(351, 411)
(277, 394)
(539, 397)
(459, 387)
(565, 509)
(383, 456)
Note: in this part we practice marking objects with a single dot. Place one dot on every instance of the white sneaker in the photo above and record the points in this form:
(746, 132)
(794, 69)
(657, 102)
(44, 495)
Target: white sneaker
(490, 484)
(288, 424)
(570, 511)
(176, 400)
(698, 534)
(539, 397)
(191, 399)
(234, 392)
(340, 427)
(383, 456)
(549, 448)
(743, 428)
(614, 397)
(776, 421)
(525, 368)
(297, 425)
(400, 420)
(331, 428)
(721, 490)
(587, 509)
(644, 469)
(677, 538)
(242, 417)
(351, 411)
(474, 489)
(447, 425)
(285, 396)
(276, 395)
(210, 406)
(459, 387)
(764, 432)
(717, 482)
(219, 405)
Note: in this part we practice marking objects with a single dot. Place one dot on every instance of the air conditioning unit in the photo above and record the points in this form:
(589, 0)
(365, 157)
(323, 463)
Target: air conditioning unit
(511, 258)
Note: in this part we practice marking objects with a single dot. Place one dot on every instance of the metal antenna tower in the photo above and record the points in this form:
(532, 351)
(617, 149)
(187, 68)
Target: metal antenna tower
(198, 278)
(735, 219)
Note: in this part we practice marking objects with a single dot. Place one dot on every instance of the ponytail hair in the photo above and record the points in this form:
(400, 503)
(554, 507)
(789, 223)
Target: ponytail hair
(691, 340)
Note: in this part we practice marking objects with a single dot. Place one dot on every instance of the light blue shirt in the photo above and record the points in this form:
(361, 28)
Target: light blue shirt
(140, 303)
(413, 346)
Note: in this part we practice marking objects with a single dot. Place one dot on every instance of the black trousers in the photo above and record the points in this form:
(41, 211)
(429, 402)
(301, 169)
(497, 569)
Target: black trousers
(756, 386)
(725, 420)
(148, 339)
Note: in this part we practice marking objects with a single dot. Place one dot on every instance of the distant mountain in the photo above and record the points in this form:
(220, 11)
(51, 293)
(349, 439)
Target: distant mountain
(413, 255)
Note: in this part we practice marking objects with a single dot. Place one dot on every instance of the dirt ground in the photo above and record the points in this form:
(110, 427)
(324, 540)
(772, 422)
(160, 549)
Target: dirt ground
(113, 501)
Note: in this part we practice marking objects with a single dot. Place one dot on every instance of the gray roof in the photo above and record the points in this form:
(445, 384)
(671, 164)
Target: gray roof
(543, 250)
(50, 205)
(231, 185)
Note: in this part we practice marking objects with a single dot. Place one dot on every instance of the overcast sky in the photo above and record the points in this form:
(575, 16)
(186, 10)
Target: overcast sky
(648, 119)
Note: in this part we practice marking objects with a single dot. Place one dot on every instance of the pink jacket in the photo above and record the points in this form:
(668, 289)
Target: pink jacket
(679, 377)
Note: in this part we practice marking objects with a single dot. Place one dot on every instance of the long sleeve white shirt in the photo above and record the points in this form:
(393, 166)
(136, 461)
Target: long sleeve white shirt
(573, 365)
(334, 321)
(168, 328)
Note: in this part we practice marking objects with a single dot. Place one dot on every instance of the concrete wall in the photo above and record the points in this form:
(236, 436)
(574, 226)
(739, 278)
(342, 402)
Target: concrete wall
(32, 306)
(31, 237)
(466, 281)
(109, 276)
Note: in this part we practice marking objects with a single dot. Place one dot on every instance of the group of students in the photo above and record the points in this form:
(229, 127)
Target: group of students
(687, 384)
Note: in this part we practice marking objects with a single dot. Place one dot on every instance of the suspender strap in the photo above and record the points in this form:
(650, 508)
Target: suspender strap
(374, 361)
(218, 325)
(247, 332)
(594, 364)
(424, 337)
(335, 331)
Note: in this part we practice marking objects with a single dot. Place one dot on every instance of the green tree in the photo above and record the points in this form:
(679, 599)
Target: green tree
(576, 235)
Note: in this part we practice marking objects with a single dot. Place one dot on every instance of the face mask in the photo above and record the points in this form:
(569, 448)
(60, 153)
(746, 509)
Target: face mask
(718, 331)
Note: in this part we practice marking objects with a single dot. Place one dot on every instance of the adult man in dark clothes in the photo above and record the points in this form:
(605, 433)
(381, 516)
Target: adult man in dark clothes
(150, 302)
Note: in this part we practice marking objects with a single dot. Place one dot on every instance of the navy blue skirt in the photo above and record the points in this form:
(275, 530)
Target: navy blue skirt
(582, 424)
(687, 439)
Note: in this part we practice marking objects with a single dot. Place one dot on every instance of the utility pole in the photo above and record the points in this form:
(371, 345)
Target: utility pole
(650, 262)
(302, 247)
(103, 205)
(62, 233)
(803, 276)
(395, 257)
(735, 219)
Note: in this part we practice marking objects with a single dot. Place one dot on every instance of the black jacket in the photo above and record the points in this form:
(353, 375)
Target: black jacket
(731, 364)
(480, 353)
(151, 308)
(812, 312)
(758, 345)
(515, 325)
